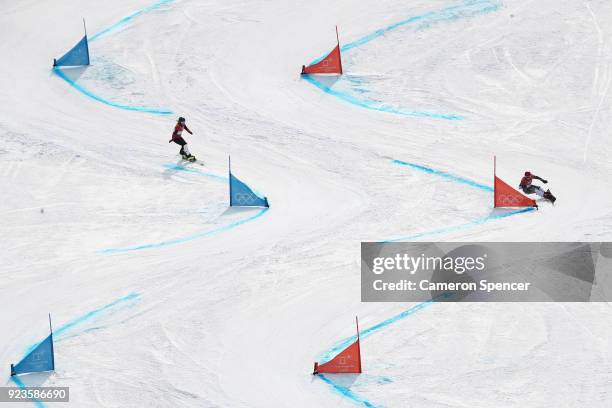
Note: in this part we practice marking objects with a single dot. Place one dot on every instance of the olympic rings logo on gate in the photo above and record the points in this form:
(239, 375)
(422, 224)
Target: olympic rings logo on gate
(245, 198)
(509, 201)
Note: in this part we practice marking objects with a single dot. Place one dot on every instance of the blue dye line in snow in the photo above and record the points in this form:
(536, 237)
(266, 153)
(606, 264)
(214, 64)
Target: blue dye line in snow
(68, 326)
(346, 392)
(90, 315)
(95, 97)
(125, 20)
(445, 175)
(467, 9)
(459, 227)
(377, 106)
(178, 167)
(379, 326)
(182, 240)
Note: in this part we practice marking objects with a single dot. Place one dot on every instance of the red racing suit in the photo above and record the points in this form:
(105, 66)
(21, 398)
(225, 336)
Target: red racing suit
(178, 131)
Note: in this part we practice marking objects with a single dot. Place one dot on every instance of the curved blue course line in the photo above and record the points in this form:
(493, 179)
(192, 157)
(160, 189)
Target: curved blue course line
(364, 334)
(89, 315)
(466, 9)
(125, 20)
(445, 175)
(377, 106)
(178, 167)
(469, 8)
(95, 97)
(69, 326)
(182, 240)
(459, 227)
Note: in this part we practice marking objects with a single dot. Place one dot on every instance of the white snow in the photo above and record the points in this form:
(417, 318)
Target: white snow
(237, 317)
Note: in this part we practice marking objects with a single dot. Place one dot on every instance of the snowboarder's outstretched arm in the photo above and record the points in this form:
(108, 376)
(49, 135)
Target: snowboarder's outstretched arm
(540, 178)
(187, 129)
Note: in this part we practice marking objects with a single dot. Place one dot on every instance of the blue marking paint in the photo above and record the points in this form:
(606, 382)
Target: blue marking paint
(178, 167)
(346, 392)
(377, 327)
(125, 20)
(445, 175)
(469, 8)
(88, 316)
(70, 325)
(182, 240)
(459, 227)
(95, 97)
(377, 106)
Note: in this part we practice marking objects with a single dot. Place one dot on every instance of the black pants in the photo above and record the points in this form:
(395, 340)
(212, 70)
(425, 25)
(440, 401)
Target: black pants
(533, 189)
(180, 141)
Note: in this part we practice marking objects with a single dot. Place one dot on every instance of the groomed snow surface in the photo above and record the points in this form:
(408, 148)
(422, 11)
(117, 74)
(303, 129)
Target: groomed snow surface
(163, 297)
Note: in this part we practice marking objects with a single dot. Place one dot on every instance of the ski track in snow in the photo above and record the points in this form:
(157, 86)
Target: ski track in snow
(467, 9)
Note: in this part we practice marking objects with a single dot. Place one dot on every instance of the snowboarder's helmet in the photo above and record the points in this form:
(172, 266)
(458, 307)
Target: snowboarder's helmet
(181, 119)
(527, 173)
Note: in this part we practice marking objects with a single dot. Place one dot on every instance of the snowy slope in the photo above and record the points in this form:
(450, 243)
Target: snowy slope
(230, 308)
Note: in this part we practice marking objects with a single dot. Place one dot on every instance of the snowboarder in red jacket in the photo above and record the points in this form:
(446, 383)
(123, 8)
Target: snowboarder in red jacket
(178, 139)
(529, 188)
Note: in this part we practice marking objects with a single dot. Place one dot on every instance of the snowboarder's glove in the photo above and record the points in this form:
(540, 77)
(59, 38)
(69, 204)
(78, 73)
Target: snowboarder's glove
(545, 181)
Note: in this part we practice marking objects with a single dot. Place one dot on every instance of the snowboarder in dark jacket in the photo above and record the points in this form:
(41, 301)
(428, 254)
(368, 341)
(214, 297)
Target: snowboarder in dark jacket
(178, 139)
(529, 188)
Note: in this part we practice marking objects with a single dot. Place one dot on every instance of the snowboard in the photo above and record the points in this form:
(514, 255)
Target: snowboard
(548, 195)
(191, 159)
